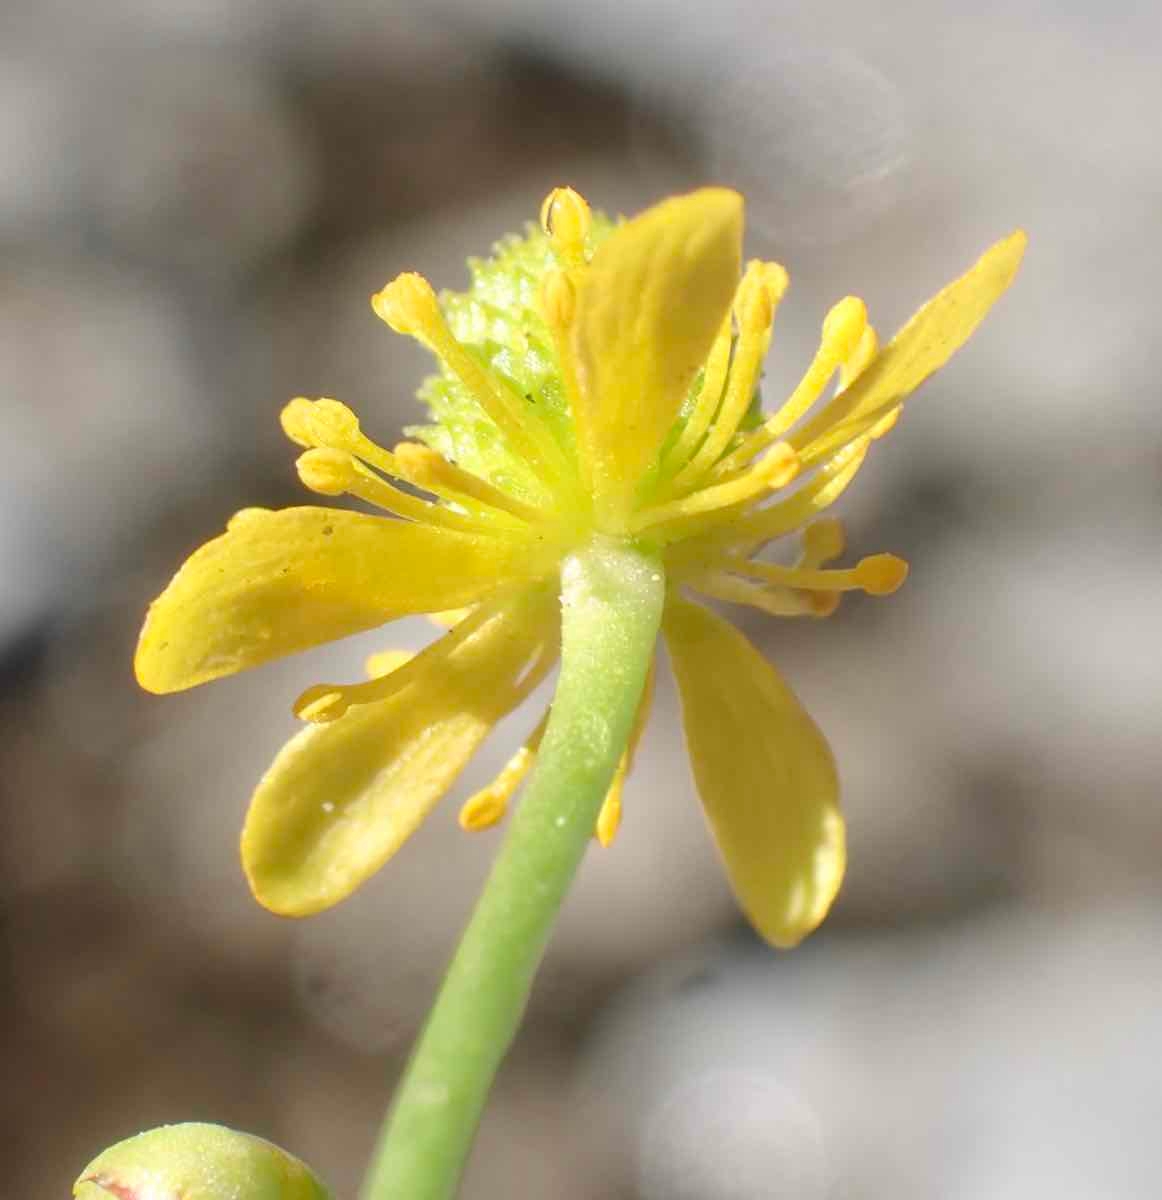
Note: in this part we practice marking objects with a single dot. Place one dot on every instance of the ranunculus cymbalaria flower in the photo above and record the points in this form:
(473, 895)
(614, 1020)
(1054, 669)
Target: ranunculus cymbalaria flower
(596, 380)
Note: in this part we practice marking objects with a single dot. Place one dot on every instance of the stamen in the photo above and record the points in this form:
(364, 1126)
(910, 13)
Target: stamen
(323, 422)
(775, 470)
(333, 472)
(777, 602)
(489, 805)
(817, 443)
(409, 305)
(326, 702)
(830, 481)
(882, 574)
(609, 818)
(823, 541)
(842, 329)
(759, 293)
(879, 575)
(328, 472)
(565, 218)
(834, 427)
(431, 471)
(327, 424)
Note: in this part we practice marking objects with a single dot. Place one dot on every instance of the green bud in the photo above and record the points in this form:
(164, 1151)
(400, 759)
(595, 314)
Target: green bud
(196, 1162)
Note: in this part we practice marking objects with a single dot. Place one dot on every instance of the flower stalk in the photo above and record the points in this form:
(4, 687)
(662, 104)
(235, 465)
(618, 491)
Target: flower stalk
(612, 597)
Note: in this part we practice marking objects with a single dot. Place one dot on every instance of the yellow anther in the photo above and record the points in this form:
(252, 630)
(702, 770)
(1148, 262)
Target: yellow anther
(408, 304)
(881, 574)
(334, 421)
(328, 472)
(755, 310)
(323, 422)
(489, 805)
(565, 219)
(295, 420)
(328, 701)
(609, 819)
(558, 300)
(383, 662)
(776, 280)
(418, 464)
(762, 287)
(843, 327)
(823, 541)
(746, 534)
(780, 466)
(482, 811)
(333, 472)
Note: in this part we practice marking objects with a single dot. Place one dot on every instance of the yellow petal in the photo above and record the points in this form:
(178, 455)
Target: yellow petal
(764, 772)
(341, 798)
(923, 345)
(277, 582)
(647, 312)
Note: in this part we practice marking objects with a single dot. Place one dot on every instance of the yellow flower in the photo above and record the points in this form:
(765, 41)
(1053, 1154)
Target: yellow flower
(597, 381)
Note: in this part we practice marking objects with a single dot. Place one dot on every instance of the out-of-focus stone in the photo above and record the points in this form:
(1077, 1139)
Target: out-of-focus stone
(36, 167)
(100, 403)
(195, 162)
(963, 1060)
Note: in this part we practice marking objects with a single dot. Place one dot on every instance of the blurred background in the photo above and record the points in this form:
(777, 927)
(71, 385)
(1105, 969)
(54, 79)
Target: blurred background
(196, 199)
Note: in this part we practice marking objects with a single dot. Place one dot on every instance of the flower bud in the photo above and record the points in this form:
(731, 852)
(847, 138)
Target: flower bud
(196, 1162)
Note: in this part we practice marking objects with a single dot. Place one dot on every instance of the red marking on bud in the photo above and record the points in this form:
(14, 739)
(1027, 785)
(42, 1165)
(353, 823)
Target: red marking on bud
(121, 1190)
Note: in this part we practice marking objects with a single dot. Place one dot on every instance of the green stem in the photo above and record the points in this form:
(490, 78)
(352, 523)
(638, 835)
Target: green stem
(611, 597)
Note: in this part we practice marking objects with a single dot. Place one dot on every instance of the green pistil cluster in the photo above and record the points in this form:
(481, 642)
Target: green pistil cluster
(498, 320)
